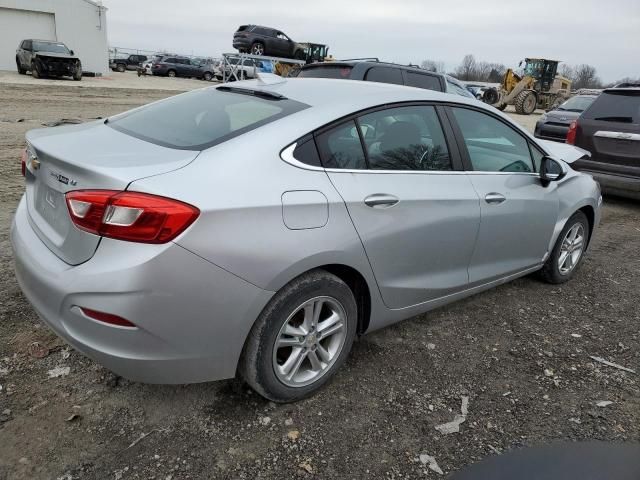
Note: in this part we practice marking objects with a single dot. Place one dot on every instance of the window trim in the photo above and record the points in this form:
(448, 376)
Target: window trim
(464, 153)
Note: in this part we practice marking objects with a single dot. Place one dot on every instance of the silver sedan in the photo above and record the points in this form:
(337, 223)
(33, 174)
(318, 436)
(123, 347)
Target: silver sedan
(256, 228)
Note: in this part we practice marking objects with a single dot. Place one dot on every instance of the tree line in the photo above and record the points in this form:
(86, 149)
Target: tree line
(470, 69)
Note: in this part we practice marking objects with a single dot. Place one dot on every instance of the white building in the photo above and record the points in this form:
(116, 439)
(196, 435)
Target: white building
(80, 24)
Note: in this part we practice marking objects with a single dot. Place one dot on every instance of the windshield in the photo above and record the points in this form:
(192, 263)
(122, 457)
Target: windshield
(50, 47)
(577, 104)
(202, 118)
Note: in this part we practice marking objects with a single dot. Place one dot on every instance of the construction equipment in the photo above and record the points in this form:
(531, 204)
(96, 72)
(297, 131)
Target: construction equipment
(538, 86)
(314, 52)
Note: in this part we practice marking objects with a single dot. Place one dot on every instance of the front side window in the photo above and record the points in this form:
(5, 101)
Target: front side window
(493, 146)
(385, 75)
(202, 118)
(405, 138)
(340, 147)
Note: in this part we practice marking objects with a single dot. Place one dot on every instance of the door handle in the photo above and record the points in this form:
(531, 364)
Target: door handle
(494, 198)
(381, 200)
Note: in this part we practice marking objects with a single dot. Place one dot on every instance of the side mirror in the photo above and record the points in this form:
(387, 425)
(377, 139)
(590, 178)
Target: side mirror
(551, 170)
(71, 52)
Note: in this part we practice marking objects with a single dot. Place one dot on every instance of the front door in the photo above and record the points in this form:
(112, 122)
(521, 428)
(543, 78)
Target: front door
(517, 213)
(416, 212)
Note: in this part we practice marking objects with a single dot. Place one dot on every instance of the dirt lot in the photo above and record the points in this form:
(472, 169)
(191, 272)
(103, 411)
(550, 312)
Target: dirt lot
(520, 353)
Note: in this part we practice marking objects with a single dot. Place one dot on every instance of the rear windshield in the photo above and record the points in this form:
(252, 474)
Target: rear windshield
(202, 118)
(577, 104)
(622, 107)
(330, 71)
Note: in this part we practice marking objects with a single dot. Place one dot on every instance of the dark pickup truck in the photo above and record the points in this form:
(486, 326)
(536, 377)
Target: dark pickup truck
(44, 58)
(126, 62)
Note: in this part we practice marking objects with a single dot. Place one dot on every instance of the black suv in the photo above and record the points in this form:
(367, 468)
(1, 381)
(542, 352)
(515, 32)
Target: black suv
(610, 130)
(375, 71)
(44, 58)
(178, 67)
(127, 62)
(259, 40)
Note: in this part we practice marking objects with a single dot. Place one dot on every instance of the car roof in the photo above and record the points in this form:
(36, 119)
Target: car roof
(622, 89)
(373, 63)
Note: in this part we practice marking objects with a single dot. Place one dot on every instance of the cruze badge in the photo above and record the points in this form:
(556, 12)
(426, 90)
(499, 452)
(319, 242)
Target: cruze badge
(62, 179)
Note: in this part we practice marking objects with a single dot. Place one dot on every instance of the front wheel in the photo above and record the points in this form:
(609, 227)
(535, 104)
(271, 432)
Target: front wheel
(207, 76)
(171, 73)
(568, 251)
(77, 76)
(35, 73)
(526, 102)
(21, 70)
(301, 338)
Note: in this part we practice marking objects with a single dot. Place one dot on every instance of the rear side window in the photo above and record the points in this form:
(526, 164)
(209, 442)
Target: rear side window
(306, 152)
(420, 80)
(202, 118)
(169, 60)
(385, 75)
(340, 147)
(405, 138)
(622, 107)
(329, 71)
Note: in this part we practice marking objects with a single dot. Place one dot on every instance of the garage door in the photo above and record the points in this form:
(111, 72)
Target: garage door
(16, 25)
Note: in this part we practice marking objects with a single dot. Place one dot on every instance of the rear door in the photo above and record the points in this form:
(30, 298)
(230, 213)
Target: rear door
(414, 209)
(610, 130)
(517, 213)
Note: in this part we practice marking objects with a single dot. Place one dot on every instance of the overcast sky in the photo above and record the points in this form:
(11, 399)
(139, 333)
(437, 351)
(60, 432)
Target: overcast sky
(604, 33)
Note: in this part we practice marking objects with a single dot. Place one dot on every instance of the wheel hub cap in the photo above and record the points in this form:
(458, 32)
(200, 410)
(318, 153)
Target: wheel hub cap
(309, 341)
(571, 249)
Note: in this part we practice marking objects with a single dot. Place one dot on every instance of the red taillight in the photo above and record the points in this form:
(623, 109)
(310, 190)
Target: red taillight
(130, 216)
(107, 318)
(571, 134)
(23, 165)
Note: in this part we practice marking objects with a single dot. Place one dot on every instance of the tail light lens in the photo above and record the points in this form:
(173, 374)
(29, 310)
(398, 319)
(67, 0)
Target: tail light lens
(571, 134)
(23, 162)
(107, 318)
(130, 216)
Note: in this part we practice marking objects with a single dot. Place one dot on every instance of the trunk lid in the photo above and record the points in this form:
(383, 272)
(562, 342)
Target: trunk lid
(87, 156)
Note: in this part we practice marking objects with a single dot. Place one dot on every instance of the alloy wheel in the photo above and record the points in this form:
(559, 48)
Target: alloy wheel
(309, 341)
(571, 249)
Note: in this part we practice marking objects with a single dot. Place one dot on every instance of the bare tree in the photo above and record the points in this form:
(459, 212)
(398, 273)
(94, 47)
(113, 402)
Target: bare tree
(567, 71)
(433, 65)
(586, 77)
(467, 69)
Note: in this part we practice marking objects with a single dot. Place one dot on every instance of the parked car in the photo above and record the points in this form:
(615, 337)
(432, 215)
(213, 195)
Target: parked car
(610, 130)
(259, 40)
(259, 227)
(247, 69)
(375, 71)
(207, 70)
(554, 124)
(177, 67)
(44, 58)
(126, 62)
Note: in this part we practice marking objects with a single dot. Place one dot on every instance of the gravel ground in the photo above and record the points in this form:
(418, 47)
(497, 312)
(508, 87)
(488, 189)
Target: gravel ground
(520, 353)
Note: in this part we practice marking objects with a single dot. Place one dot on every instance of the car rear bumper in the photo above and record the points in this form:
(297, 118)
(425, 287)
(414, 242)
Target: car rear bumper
(551, 132)
(241, 43)
(191, 316)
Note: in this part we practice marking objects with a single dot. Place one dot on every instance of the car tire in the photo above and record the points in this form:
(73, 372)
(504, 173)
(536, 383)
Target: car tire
(526, 102)
(78, 75)
(35, 73)
(298, 55)
(315, 358)
(171, 73)
(121, 67)
(207, 76)
(568, 252)
(21, 71)
(257, 48)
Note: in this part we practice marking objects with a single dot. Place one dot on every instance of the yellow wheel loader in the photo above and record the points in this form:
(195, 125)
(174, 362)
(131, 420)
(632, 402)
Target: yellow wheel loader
(539, 86)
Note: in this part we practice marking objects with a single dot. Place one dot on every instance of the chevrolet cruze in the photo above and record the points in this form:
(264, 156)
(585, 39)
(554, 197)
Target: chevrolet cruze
(257, 228)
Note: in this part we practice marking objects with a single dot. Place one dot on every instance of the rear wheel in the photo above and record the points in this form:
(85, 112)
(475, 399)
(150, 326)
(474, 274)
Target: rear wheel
(301, 338)
(207, 76)
(171, 73)
(257, 49)
(21, 70)
(298, 55)
(568, 251)
(526, 102)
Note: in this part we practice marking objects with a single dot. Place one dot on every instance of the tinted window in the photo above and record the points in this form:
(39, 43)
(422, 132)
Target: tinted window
(306, 152)
(622, 106)
(420, 80)
(202, 118)
(50, 47)
(385, 75)
(405, 138)
(340, 147)
(169, 60)
(328, 71)
(456, 88)
(493, 146)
